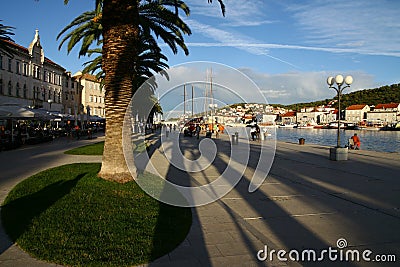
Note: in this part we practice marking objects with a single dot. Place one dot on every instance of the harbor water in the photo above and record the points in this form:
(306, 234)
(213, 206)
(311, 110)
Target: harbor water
(384, 141)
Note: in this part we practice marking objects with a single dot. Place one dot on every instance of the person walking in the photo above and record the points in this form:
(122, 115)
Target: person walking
(216, 130)
(198, 128)
(77, 132)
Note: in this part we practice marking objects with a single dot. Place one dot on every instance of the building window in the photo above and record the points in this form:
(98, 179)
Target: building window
(25, 69)
(9, 88)
(1, 62)
(9, 64)
(72, 85)
(25, 91)
(66, 96)
(90, 98)
(66, 83)
(17, 90)
(1, 85)
(17, 67)
(59, 97)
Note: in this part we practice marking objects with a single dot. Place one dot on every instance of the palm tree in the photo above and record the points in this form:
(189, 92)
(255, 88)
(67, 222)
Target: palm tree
(121, 31)
(123, 23)
(88, 29)
(150, 60)
(5, 33)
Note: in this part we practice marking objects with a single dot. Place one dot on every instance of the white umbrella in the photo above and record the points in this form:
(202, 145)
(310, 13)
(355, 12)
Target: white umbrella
(17, 112)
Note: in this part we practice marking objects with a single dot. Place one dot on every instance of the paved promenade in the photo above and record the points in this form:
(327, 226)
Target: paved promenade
(307, 202)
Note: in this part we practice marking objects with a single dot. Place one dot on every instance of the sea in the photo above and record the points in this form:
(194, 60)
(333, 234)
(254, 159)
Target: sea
(384, 141)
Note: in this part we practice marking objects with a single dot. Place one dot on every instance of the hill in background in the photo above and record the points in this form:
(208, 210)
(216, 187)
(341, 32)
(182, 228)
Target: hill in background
(381, 95)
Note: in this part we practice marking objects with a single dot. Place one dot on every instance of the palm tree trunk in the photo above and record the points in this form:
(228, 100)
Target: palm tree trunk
(121, 34)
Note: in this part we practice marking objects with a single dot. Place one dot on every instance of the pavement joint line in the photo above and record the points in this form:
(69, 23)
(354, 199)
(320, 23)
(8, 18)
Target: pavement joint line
(253, 218)
(291, 215)
(269, 197)
(313, 214)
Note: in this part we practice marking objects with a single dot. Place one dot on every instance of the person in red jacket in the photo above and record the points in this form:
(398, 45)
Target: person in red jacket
(356, 141)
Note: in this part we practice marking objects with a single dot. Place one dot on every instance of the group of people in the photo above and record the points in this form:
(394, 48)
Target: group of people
(194, 129)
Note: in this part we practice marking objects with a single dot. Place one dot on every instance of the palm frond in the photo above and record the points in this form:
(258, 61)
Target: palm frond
(5, 33)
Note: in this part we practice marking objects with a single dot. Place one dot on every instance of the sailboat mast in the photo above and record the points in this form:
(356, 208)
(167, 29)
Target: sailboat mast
(192, 100)
(184, 102)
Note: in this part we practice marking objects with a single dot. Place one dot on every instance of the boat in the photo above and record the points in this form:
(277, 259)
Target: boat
(334, 125)
(305, 127)
(319, 127)
(287, 125)
(391, 127)
(351, 126)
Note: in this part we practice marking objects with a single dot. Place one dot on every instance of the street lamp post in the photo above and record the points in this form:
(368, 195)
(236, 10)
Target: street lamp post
(338, 152)
(338, 80)
(50, 101)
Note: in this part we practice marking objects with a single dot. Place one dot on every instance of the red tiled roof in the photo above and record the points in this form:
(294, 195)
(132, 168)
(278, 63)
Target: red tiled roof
(17, 46)
(289, 114)
(356, 107)
(25, 50)
(87, 76)
(390, 105)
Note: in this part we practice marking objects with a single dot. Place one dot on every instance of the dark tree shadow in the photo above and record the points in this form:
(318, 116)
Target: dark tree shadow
(18, 214)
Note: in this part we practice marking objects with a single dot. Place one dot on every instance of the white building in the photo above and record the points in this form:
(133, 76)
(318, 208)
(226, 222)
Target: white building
(93, 93)
(385, 113)
(356, 113)
(71, 99)
(29, 78)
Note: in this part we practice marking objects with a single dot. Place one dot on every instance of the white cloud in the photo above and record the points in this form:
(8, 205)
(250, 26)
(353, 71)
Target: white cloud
(340, 26)
(296, 87)
(228, 38)
(247, 85)
(370, 27)
(238, 12)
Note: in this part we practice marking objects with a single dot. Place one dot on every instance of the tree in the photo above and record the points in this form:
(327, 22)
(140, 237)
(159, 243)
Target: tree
(121, 30)
(123, 23)
(5, 33)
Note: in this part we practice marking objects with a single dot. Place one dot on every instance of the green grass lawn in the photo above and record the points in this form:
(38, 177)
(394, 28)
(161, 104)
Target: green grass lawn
(69, 216)
(98, 148)
(92, 149)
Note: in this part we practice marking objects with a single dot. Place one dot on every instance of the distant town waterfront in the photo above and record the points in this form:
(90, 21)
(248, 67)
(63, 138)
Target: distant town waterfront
(384, 141)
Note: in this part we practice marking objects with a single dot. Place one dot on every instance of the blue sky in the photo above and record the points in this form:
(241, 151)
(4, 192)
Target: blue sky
(288, 47)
